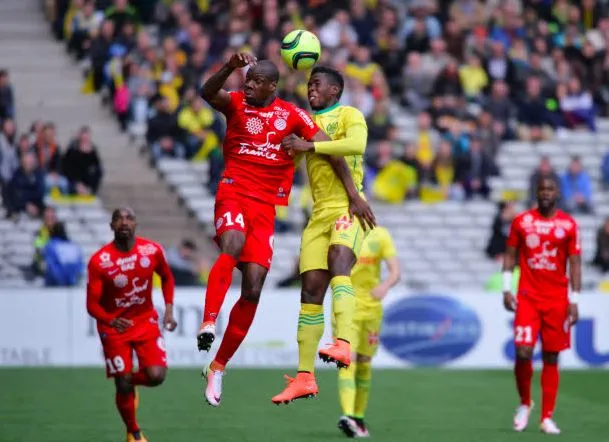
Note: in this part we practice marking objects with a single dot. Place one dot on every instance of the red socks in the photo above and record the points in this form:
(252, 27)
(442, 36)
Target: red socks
(125, 402)
(219, 281)
(549, 389)
(239, 322)
(523, 369)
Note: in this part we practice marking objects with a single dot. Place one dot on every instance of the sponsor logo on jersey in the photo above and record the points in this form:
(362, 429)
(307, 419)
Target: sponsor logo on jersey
(544, 260)
(266, 150)
(120, 281)
(373, 338)
(127, 263)
(254, 125)
(145, 262)
(130, 297)
(147, 249)
(280, 124)
(430, 329)
(532, 240)
(281, 112)
(343, 223)
(105, 260)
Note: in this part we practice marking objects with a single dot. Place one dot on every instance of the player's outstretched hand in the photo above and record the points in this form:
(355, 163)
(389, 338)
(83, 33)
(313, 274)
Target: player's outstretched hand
(359, 207)
(241, 59)
(509, 301)
(573, 314)
(121, 324)
(294, 144)
(169, 322)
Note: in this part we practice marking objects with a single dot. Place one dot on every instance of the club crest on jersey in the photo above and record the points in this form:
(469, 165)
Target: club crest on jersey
(219, 222)
(145, 262)
(147, 249)
(120, 281)
(332, 128)
(532, 241)
(528, 218)
(254, 125)
(559, 233)
(343, 223)
(280, 124)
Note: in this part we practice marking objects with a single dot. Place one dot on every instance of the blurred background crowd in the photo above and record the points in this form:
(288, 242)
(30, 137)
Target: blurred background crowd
(474, 74)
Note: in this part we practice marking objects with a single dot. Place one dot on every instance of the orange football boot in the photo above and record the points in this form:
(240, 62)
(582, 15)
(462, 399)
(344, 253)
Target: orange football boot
(131, 438)
(338, 352)
(300, 387)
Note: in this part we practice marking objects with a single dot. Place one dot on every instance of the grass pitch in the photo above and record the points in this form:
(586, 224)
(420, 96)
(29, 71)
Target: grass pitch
(70, 405)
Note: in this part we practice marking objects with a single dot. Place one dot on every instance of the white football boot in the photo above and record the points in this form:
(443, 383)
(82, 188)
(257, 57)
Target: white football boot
(521, 418)
(213, 390)
(548, 426)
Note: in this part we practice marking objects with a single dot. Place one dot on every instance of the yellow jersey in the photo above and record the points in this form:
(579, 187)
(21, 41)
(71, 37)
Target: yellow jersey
(339, 123)
(366, 274)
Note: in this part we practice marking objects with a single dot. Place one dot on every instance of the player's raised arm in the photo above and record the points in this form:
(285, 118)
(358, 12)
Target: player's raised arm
(212, 91)
(168, 288)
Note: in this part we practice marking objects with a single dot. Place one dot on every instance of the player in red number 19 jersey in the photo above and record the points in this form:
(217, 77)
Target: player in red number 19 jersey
(119, 297)
(546, 239)
(257, 177)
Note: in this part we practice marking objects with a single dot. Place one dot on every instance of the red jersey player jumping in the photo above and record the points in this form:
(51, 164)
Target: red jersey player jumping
(119, 297)
(257, 177)
(546, 239)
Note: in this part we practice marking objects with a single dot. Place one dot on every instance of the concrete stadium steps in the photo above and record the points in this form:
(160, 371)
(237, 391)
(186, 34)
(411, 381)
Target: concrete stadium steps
(47, 86)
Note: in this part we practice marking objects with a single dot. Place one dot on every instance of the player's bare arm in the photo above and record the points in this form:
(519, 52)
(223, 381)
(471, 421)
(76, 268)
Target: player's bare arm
(212, 91)
(168, 289)
(575, 270)
(393, 267)
(509, 262)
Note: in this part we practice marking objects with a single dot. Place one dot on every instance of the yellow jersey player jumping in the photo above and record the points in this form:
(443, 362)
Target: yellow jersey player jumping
(354, 381)
(332, 239)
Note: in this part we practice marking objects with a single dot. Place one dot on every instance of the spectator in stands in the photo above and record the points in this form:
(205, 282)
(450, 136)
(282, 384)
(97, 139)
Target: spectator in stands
(417, 84)
(543, 170)
(63, 259)
(605, 171)
(501, 107)
(601, 256)
(577, 106)
(9, 160)
(7, 99)
(83, 28)
(506, 211)
(473, 78)
(196, 120)
(168, 147)
(479, 167)
(121, 14)
(443, 172)
(26, 189)
(535, 123)
(100, 53)
(425, 142)
(48, 152)
(162, 123)
(185, 264)
(379, 122)
(82, 165)
(576, 188)
(49, 220)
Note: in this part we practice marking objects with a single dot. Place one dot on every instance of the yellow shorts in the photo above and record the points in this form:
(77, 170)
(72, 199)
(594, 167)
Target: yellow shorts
(365, 335)
(325, 228)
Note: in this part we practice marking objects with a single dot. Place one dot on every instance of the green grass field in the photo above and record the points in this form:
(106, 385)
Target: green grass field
(72, 405)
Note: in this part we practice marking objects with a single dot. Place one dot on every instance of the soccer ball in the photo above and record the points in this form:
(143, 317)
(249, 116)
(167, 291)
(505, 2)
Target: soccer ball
(300, 49)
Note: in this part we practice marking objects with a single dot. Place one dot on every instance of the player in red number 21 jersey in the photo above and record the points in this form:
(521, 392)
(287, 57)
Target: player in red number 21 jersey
(546, 239)
(119, 297)
(257, 177)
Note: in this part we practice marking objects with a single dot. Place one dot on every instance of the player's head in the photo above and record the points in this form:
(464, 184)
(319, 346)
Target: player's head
(123, 223)
(261, 83)
(325, 87)
(548, 193)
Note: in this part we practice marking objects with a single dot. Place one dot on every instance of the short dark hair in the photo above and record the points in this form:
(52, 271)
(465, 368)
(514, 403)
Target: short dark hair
(333, 75)
(59, 231)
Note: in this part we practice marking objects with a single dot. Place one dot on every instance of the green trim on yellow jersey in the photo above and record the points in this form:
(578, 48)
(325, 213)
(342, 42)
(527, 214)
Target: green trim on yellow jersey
(328, 109)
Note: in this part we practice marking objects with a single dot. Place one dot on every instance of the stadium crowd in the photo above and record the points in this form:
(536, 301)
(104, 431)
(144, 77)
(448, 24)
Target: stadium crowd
(474, 73)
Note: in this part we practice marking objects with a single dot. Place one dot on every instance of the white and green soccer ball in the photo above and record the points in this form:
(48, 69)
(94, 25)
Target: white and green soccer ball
(300, 49)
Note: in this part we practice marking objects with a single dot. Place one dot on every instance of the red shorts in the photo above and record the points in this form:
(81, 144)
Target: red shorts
(550, 319)
(144, 339)
(256, 219)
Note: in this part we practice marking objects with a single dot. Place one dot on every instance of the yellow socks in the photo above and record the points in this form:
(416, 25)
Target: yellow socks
(310, 331)
(343, 306)
(346, 389)
(363, 374)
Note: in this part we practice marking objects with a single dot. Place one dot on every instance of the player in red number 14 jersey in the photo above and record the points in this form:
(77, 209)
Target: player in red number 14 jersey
(119, 297)
(546, 240)
(257, 177)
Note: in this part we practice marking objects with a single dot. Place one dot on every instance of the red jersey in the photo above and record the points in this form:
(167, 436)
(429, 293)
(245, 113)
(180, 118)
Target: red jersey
(544, 245)
(120, 284)
(256, 165)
